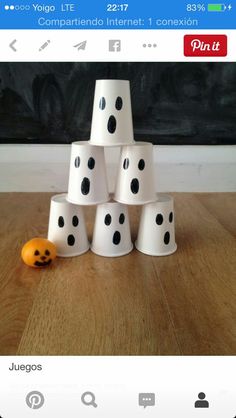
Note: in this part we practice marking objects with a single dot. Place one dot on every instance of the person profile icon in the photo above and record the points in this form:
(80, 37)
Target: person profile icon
(201, 403)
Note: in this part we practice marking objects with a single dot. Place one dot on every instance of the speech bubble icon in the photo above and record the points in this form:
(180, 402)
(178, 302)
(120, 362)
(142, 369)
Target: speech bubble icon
(147, 399)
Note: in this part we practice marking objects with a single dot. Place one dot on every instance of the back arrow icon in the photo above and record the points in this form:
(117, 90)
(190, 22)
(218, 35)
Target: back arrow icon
(12, 45)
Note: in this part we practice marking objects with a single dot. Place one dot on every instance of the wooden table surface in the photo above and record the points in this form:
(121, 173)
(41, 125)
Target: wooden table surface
(139, 305)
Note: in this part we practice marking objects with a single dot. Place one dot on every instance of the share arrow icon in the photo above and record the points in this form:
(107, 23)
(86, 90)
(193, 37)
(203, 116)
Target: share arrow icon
(11, 45)
(81, 46)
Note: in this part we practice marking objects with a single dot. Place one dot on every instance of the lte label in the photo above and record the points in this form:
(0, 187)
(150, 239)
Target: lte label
(68, 7)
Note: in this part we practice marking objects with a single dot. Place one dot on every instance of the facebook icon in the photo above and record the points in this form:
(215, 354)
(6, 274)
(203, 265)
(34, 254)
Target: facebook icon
(115, 45)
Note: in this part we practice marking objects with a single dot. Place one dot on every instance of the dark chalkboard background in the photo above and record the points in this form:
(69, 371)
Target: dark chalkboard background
(173, 103)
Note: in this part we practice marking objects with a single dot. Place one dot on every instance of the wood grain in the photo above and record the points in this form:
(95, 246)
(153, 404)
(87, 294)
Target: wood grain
(133, 305)
(200, 283)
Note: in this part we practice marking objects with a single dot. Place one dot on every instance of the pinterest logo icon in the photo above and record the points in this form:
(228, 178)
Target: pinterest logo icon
(35, 400)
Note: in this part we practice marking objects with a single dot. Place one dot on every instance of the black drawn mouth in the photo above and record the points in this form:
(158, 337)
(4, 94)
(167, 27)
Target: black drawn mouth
(167, 238)
(43, 263)
(134, 186)
(85, 186)
(71, 240)
(111, 125)
(116, 238)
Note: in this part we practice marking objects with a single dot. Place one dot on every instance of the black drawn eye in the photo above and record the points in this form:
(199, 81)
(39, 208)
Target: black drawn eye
(91, 163)
(171, 217)
(159, 219)
(141, 165)
(47, 252)
(107, 219)
(61, 222)
(75, 221)
(122, 218)
(119, 103)
(36, 252)
(77, 162)
(102, 103)
(126, 164)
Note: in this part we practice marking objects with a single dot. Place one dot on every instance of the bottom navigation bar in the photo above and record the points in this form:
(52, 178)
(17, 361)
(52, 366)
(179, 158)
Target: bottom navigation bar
(118, 386)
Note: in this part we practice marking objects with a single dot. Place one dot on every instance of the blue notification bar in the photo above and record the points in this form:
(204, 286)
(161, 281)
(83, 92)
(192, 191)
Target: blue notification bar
(129, 14)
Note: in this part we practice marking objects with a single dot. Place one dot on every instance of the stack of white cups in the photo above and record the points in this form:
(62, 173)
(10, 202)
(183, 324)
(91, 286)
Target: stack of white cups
(112, 126)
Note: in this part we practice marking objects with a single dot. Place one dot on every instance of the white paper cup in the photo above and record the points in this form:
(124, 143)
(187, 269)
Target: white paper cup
(67, 228)
(156, 235)
(112, 123)
(135, 181)
(111, 235)
(88, 179)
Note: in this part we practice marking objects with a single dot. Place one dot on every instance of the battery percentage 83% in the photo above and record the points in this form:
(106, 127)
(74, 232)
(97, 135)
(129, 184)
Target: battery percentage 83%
(196, 7)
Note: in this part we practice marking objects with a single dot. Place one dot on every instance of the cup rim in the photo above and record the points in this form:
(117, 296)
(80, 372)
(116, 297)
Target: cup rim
(155, 254)
(164, 198)
(86, 203)
(113, 80)
(80, 143)
(134, 202)
(112, 255)
(59, 198)
(109, 145)
(76, 254)
(140, 144)
(113, 202)
(161, 198)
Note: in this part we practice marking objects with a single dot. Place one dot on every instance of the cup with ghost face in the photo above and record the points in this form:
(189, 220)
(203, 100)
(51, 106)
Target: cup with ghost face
(67, 228)
(156, 234)
(112, 123)
(135, 183)
(111, 235)
(87, 179)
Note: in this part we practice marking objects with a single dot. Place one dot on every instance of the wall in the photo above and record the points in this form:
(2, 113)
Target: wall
(173, 103)
(186, 168)
(177, 106)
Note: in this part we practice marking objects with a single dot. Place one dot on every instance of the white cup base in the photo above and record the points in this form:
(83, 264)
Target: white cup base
(112, 255)
(134, 202)
(83, 203)
(156, 254)
(74, 254)
(104, 144)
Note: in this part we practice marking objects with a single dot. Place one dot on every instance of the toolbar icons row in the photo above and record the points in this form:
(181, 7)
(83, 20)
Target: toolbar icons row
(114, 45)
(36, 400)
(197, 45)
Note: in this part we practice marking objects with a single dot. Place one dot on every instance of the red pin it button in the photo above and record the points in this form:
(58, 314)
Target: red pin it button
(205, 45)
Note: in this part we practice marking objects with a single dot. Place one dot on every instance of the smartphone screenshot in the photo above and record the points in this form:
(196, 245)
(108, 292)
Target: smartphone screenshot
(117, 209)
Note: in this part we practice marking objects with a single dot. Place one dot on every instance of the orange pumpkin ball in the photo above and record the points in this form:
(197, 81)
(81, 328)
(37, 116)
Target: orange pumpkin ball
(38, 252)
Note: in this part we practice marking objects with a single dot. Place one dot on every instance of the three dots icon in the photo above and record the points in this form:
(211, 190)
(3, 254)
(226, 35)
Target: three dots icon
(149, 45)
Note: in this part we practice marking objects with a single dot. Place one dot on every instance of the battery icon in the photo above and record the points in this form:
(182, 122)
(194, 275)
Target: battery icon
(216, 7)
